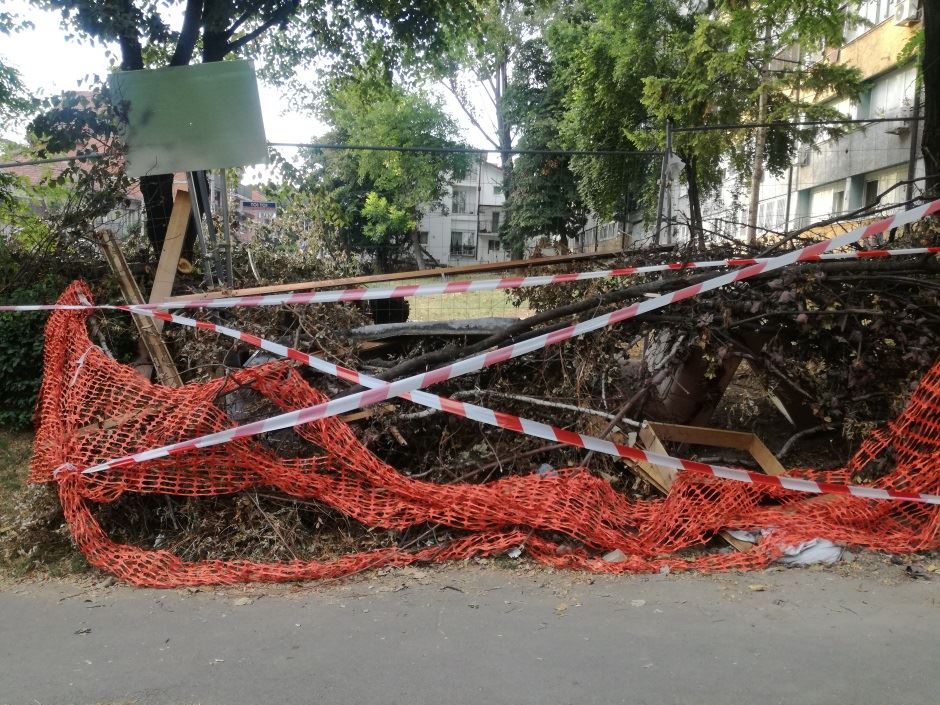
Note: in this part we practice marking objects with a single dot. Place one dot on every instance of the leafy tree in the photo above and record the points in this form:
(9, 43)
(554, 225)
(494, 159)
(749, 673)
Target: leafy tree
(287, 33)
(15, 102)
(706, 63)
(487, 54)
(545, 198)
(602, 83)
(745, 62)
(379, 193)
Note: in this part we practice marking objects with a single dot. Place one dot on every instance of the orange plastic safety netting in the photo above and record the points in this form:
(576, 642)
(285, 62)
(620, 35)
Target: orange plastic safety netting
(92, 408)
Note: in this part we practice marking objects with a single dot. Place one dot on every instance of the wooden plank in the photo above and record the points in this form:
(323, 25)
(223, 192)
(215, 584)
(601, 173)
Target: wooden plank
(149, 335)
(652, 435)
(397, 276)
(767, 460)
(172, 248)
(659, 477)
(702, 436)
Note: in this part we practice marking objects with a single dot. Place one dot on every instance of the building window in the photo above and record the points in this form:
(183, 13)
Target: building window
(463, 244)
(838, 199)
(459, 202)
(892, 94)
(495, 221)
(871, 193)
(422, 237)
(871, 13)
(492, 246)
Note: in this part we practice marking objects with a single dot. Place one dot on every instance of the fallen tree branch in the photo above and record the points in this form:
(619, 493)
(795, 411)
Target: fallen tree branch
(786, 447)
(517, 331)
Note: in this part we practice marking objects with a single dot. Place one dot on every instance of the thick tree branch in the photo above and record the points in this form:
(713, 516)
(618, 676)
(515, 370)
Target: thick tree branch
(186, 44)
(452, 87)
(239, 21)
(279, 15)
(561, 316)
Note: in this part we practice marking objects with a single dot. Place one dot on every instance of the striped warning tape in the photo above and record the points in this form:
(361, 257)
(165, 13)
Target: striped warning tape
(460, 287)
(401, 387)
(528, 427)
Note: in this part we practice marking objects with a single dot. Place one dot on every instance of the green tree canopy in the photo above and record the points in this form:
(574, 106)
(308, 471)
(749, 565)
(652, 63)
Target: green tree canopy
(379, 193)
(703, 65)
(287, 34)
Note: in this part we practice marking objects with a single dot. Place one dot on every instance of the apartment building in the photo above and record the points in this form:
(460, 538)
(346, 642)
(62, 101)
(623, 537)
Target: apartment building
(466, 230)
(833, 177)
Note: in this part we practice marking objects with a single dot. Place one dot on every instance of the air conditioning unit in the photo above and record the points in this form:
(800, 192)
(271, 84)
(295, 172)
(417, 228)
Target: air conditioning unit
(907, 12)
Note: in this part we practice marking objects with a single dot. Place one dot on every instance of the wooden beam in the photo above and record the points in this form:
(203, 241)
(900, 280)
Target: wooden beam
(701, 436)
(172, 248)
(397, 276)
(149, 335)
(652, 435)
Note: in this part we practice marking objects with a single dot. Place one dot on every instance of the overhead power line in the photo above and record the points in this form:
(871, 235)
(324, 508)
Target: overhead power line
(381, 148)
(782, 124)
(470, 150)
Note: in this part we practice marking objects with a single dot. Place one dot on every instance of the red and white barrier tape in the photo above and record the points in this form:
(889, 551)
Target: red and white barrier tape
(459, 287)
(528, 427)
(477, 362)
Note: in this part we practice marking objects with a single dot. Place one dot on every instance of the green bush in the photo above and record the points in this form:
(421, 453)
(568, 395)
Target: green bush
(21, 345)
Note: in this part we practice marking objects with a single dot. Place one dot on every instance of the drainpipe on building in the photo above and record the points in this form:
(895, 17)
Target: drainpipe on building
(476, 238)
(912, 159)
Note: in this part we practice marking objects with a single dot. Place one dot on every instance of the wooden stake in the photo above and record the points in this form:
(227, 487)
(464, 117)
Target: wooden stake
(172, 249)
(149, 334)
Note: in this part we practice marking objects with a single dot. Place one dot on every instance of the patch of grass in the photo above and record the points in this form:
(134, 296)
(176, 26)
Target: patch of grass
(451, 307)
(15, 449)
(33, 536)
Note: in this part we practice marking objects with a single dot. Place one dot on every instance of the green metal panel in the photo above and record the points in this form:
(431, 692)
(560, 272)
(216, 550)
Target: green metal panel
(191, 118)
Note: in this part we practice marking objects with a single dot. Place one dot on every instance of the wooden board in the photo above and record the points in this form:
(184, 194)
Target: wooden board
(652, 435)
(172, 248)
(376, 410)
(397, 276)
(149, 335)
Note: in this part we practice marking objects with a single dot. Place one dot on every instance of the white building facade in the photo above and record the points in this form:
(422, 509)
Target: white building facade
(466, 230)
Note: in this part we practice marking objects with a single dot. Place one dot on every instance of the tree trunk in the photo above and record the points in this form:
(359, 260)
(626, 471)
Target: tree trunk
(930, 146)
(416, 248)
(757, 173)
(157, 192)
(504, 137)
(695, 200)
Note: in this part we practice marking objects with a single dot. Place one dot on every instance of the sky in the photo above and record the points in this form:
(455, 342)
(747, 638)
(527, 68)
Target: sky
(49, 64)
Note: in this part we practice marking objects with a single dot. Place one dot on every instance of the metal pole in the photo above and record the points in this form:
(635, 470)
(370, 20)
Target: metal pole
(912, 159)
(476, 237)
(213, 241)
(200, 233)
(662, 183)
(227, 229)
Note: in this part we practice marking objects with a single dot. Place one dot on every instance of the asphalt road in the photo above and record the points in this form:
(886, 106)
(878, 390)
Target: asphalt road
(864, 634)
